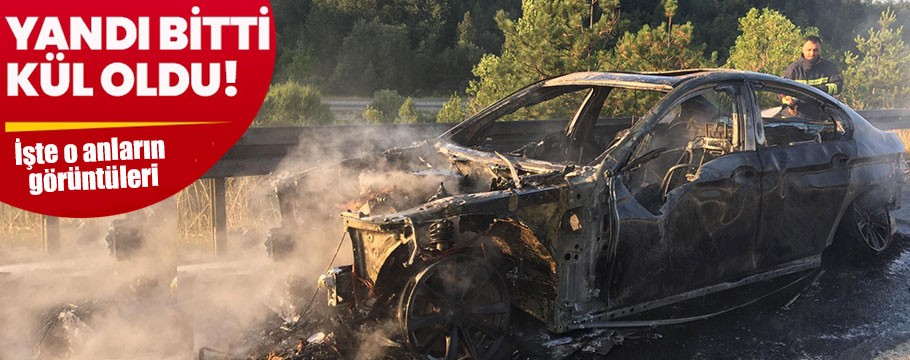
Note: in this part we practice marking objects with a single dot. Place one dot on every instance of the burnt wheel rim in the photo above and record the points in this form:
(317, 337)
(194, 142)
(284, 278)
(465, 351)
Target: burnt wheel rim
(874, 227)
(457, 308)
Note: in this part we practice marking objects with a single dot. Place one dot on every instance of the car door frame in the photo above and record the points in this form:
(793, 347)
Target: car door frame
(628, 213)
(801, 173)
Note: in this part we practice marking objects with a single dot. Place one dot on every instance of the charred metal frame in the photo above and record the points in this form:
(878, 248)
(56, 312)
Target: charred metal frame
(583, 240)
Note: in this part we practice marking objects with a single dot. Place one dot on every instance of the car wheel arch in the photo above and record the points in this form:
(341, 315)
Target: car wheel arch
(842, 242)
(513, 238)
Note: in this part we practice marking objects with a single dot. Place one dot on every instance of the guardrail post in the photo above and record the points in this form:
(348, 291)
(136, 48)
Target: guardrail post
(51, 234)
(219, 216)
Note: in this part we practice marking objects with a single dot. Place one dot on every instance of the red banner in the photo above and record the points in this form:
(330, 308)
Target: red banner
(111, 106)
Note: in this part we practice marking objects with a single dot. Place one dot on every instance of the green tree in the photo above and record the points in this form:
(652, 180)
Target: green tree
(443, 43)
(351, 47)
(373, 116)
(288, 48)
(878, 77)
(385, 106)
(453, 110)
(373, 55)
(308, 35)
(292, 104)
(408, 113)
(647, 50)
(551, 38)
(467, 34)
(654, 49)
(768, 42)
(670, 7)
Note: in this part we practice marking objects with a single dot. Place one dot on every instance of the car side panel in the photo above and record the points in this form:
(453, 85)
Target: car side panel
(804, 190)
(705, 234)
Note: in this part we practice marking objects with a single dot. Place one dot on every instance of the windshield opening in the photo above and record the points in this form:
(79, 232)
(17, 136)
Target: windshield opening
(564, 124)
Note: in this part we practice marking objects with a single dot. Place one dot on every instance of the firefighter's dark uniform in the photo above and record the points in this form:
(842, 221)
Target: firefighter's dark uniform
(819, 73)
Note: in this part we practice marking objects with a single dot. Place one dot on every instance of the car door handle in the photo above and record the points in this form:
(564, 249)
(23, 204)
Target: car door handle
(840, 160)
(745, 173)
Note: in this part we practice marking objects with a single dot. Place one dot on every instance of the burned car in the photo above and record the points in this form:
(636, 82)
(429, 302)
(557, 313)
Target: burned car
(708, 181)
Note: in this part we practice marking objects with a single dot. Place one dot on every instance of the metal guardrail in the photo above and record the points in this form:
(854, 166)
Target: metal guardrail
(359, 105)
(888, 119)
(261, 151)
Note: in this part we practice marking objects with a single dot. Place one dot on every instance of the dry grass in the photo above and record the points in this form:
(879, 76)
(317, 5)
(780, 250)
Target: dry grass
(194, 220)
(251, 205)
(251, 209)
(20, 228)
(904, 134)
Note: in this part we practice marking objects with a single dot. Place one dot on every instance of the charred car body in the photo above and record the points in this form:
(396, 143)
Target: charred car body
(711, 188)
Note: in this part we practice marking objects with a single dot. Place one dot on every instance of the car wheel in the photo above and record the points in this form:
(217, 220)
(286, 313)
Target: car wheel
(865, 231)
(456, 308)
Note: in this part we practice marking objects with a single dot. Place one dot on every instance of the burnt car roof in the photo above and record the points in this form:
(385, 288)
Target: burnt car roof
(661, 80)
(664, 82)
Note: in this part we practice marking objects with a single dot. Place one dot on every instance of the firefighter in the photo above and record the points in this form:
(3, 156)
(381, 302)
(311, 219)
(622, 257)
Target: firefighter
(812, 70)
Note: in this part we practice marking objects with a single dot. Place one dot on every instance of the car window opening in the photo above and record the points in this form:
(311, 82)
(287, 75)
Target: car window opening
(790, 118)
(573, 127)
(670, 155)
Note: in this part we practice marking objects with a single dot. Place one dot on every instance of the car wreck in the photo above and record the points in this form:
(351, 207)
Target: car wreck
(709, 185)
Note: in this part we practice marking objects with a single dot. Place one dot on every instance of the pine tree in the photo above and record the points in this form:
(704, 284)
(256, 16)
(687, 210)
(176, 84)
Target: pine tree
(408, 113)
(879, 76)
(551, 38)
(292, 104)
(654, 49)
(670, 7)
(453, 110)
(768, 42)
